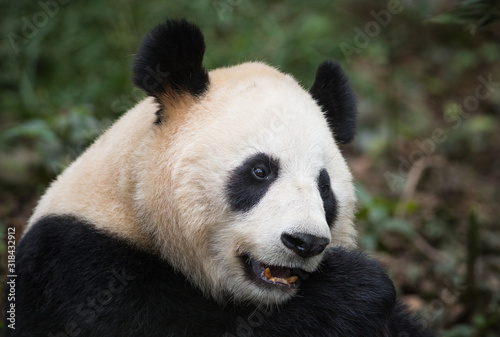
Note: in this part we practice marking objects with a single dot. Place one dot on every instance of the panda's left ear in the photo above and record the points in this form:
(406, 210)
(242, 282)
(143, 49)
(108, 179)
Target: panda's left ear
(333, 93)
(169, 61)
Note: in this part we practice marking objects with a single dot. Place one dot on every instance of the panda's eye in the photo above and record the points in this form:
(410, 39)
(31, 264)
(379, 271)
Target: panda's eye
(260, 172)
(324, 189)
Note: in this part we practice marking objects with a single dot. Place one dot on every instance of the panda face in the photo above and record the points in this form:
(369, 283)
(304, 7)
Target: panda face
(251, 186)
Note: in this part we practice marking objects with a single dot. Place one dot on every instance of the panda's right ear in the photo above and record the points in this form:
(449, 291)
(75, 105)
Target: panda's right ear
(334, 94)
(169, 61)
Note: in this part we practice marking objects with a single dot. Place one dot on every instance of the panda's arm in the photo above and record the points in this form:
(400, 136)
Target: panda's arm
(73, 280)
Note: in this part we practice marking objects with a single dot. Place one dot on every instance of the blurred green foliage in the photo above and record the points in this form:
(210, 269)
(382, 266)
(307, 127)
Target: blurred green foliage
(471, 13)
(64, 77)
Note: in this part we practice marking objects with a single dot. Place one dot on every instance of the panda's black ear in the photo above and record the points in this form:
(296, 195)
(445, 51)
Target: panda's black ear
(334, 94)
(169, 60)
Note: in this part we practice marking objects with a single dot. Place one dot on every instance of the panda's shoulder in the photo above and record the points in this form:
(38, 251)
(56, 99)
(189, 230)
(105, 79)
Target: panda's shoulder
(57, 236)
(89, 275)
(65, 246)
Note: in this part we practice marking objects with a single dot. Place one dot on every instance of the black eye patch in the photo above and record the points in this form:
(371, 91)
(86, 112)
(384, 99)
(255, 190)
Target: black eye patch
(249, 182)
(328, 197)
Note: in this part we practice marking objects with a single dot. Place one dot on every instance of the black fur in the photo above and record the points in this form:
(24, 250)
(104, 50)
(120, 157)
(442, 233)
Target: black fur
(332, 91)
(244, 190)
(76, 281)
(402, 324)
(329, 200)
(170, 59)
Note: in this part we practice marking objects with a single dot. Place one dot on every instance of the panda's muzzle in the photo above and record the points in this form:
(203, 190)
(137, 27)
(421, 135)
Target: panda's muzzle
(275, 275)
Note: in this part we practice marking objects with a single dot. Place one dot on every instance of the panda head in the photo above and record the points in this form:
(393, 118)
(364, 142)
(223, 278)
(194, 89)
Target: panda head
(240, 182)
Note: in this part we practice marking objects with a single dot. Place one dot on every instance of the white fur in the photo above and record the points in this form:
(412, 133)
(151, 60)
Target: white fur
(166, 184)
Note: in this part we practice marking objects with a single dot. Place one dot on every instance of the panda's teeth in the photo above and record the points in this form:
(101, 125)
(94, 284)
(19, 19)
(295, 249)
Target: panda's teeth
(282, 275)
(289, 280)
(285, 280)
(267, 273)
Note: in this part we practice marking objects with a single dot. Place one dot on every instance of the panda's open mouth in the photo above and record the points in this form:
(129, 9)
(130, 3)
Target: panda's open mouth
(275, 275)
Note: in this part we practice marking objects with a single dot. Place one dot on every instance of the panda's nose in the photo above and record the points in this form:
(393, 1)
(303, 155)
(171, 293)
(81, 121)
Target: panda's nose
(305, 245)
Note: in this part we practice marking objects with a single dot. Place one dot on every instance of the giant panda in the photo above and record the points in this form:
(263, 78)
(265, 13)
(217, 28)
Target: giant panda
(220, 205)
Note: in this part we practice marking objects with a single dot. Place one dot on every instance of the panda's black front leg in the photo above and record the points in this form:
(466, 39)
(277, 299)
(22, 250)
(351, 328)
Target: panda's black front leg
(350, 295)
